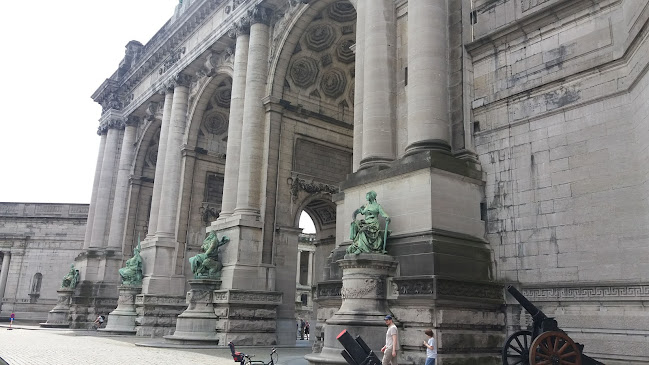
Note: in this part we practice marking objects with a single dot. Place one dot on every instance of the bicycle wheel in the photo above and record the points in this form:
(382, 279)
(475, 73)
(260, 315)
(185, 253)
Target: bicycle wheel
(274, 357)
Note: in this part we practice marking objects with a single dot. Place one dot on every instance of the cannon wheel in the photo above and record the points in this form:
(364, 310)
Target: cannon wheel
(554, 348)
(517, 348)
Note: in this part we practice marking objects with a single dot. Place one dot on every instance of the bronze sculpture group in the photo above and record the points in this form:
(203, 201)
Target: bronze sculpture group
(207, 265)
(71, 279)
(131, 274)
(366, 234)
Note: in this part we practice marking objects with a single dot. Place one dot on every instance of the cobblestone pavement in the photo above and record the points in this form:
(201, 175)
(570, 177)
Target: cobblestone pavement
(35, 346)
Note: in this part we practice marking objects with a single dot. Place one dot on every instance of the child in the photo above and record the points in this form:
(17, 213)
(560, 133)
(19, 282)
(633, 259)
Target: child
(431, 348)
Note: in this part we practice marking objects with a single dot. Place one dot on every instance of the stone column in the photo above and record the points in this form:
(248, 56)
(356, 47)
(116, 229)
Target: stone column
(160, 162)
(95, 186)
(231, 178)
(250, 163)
(172, 165)
(114, 122)
(359, 50)
(309, 280)
(4, 272)
(428, 115)
(159, 253)
(298, 271)
(379, 82)
(118, 219)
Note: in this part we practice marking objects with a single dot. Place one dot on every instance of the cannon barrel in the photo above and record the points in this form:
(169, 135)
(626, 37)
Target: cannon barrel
(536, 313)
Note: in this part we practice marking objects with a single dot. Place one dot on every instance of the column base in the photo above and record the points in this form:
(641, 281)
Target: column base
(122, 319)
(157, 314)
(247, 317)
(363, 307)
(197, 324)
(59, 316)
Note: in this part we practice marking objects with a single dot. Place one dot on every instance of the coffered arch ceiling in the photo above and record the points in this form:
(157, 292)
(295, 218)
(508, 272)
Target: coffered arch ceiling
(320, 71)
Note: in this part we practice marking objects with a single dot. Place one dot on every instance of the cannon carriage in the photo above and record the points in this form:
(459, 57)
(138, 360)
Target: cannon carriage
(545, 344)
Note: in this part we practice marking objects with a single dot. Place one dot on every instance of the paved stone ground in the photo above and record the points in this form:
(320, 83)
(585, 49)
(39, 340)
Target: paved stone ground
(31, 345)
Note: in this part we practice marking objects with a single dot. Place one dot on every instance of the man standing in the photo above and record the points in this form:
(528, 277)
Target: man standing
(391, 343)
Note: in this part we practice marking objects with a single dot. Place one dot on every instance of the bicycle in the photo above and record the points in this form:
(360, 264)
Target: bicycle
(245, 359)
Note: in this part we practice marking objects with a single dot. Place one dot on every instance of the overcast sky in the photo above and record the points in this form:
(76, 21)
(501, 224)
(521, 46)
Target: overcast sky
(55, 55)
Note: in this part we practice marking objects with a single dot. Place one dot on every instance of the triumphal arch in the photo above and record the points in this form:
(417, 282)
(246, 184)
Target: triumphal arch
(503, 137)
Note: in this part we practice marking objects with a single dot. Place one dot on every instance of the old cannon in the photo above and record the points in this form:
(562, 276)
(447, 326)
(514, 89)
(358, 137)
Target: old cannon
(546, 344)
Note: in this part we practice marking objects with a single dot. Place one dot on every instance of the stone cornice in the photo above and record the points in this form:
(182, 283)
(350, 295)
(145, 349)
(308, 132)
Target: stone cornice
(164, 45)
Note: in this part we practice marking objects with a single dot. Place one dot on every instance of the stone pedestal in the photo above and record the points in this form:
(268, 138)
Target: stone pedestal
(197, 324)
(122, 319)
(157, 314)
(247, 317)
(59, 317)
(364, 305)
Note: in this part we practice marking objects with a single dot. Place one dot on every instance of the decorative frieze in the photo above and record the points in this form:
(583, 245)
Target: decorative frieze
(312, 187)
(616, 292)
(439, 288)
(247, 297)
(329, 289)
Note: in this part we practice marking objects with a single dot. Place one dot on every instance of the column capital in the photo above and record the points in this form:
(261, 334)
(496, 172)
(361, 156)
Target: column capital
(260, 14)
(240, 27)
(132, 121)
(111, 119)
(179, 79)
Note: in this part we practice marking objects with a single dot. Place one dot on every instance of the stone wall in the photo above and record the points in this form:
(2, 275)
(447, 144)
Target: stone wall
(560, 114)
(38, 238)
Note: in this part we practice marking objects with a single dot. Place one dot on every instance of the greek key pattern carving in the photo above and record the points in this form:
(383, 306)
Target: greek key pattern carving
(330, 290)
(470, 290)
(585, 293)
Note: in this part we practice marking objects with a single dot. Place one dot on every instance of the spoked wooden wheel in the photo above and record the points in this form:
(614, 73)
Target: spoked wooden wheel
(554, 348)
(517, 349)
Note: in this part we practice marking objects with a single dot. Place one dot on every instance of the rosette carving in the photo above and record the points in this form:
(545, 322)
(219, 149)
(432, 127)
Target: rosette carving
(333, 82)
(342, 11)
(304, 71)
(216, 123)
(320, 37)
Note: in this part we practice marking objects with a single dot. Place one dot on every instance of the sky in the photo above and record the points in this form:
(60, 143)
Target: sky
(55, 55)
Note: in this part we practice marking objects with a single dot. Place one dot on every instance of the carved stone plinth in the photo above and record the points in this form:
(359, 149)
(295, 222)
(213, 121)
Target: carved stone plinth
(197, 324)
(122, 319)
(363, 308)
(59, 316)
(156, 314)
(246, 317)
